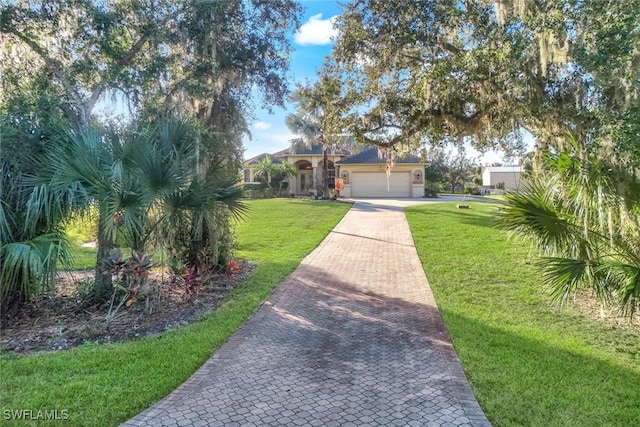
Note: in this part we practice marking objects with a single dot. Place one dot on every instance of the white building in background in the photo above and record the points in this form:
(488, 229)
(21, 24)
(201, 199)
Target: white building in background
(508, 177)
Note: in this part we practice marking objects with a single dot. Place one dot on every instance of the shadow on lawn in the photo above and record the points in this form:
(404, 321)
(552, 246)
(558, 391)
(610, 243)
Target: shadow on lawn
(320, 333)
(519, 380)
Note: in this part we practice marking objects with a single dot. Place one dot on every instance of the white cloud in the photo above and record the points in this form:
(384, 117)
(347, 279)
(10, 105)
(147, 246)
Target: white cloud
(262, 126)
(316, 31)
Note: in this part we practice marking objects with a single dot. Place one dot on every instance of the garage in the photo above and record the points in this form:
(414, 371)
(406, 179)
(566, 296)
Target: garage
(374, 184)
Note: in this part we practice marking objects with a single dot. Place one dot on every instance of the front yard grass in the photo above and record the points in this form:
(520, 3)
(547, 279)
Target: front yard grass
(106, 385)
(529, 362)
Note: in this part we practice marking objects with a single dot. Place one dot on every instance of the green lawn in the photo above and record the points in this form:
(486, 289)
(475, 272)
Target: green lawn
(528, 361)
(106, 385)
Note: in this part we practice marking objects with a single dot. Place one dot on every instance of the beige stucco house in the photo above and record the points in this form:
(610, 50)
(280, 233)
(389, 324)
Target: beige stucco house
(308, 164)
(363, 174)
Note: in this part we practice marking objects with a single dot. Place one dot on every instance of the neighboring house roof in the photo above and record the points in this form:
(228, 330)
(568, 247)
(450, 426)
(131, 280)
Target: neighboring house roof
(370, 156)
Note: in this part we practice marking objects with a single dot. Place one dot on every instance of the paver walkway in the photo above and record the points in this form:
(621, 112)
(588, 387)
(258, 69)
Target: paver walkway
(353, 337)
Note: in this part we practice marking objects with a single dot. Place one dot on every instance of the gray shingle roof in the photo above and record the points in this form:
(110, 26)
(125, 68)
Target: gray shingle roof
(262, 156)
(369, 155)
(316, 149)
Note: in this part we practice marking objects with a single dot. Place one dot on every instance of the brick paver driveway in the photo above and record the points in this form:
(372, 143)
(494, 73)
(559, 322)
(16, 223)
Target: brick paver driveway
(353, 337)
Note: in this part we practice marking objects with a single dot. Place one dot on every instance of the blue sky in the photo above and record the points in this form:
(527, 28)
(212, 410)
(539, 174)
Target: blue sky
(312, 43)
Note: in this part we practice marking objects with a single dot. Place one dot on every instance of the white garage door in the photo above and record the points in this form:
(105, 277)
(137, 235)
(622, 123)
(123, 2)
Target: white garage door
(374, 184)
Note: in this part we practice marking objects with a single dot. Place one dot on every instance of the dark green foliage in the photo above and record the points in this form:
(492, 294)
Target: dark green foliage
(148, 188)
(160, 59)
(409, 73)
(582, 216)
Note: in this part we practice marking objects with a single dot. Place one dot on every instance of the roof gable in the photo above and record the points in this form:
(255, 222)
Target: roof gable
(316, 149)
(259, 157)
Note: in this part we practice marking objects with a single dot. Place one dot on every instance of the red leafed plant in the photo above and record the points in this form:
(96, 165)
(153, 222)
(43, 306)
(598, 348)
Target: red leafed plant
(190, 281)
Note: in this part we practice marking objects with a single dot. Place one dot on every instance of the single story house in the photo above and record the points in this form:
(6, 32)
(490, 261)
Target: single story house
(507, 177)
(362, 174)
(365, 175)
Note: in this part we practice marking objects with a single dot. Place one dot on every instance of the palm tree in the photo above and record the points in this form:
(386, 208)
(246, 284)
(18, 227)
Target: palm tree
(146, 185)
(284, 171)
(307, 123)
(582, 215)
(264, 169)
(310, 123)
(94, 169)
(194, 224)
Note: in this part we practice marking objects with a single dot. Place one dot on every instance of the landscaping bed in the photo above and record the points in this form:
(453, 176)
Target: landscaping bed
(63, 321)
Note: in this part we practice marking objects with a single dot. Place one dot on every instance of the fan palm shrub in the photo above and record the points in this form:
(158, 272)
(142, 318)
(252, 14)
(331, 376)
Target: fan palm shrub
(31, 245)
(582, 214)
(148, 186)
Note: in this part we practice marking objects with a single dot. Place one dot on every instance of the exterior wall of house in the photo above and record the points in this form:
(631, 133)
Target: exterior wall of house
(411, 175)
(511, 177)
(302, 185)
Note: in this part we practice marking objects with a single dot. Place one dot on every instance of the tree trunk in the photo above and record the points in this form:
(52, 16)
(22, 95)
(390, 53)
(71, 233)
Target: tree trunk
(325, 174)
(103, 285)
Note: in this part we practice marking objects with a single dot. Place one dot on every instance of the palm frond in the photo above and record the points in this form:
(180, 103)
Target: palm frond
(307, 128)
(535, 214)
(28, 267)
(48, 206)
(176, 136)
(566, 275)
(230, 195)
(7, 222)
(298, 144)
(624, 280)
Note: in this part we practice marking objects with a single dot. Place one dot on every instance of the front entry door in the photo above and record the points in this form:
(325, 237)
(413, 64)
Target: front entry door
(304, 182)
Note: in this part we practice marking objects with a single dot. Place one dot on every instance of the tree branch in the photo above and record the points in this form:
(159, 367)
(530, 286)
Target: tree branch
(124, 61)
(53, 65)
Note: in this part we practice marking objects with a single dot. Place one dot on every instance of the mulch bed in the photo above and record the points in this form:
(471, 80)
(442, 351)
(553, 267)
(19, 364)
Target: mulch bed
(63, 321)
